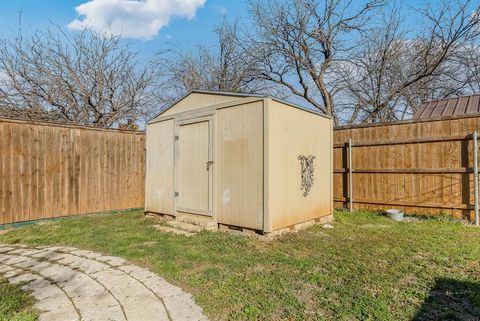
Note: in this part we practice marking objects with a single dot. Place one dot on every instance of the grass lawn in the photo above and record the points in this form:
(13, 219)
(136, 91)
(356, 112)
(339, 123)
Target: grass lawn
(15, 304)
(366, 268)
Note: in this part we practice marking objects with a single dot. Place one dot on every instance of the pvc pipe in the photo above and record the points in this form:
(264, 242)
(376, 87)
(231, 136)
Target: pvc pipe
(350, 176)
(475, 175)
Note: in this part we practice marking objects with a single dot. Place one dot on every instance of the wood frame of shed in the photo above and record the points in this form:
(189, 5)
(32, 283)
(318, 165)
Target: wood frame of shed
(233, 159)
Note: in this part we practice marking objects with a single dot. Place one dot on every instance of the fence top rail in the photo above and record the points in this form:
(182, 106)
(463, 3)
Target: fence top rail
(445, 170)
(407, 121)
(68, 125)
(406, 141)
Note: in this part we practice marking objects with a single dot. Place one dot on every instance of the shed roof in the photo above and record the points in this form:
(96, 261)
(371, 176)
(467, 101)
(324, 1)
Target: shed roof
(226, 93)
(241, 95)
(456, 106)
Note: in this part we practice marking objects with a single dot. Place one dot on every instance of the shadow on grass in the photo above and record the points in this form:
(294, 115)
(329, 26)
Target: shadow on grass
(451, 300)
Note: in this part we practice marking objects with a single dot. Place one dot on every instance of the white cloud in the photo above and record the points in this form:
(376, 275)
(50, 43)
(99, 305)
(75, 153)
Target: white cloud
(139, 19)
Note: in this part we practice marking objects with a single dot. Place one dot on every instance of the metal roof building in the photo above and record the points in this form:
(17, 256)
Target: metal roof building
(457, 106)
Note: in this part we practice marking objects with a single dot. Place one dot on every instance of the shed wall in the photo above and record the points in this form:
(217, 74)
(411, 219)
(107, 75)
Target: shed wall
(160, 168)
(292, 132)
(239, 165)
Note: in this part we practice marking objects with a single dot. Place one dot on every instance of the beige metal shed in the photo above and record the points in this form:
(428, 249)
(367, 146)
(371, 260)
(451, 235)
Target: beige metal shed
(244, 161)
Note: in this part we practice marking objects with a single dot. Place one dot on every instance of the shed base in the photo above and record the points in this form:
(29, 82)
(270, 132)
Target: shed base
(204, 221)
(300, 226)
(324, 219)
(210, 224)
(239, 230)
(289, 229)
(166, 217)
(197, 222)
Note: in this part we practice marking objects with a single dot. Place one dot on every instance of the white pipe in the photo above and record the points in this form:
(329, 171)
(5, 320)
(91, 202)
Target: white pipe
(350, 176)
(475, 175)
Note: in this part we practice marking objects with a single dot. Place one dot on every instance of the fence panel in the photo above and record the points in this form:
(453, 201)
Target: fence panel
(50, 170)
(419, 166)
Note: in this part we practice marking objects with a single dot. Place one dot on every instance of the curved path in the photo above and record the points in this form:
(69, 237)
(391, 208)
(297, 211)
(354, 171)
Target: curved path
(71, 284)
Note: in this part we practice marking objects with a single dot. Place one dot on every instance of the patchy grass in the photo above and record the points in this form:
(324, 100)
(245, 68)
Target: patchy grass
(15, 304)
(366, 268)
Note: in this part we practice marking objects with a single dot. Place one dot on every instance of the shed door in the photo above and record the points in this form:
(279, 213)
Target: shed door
(194, 167)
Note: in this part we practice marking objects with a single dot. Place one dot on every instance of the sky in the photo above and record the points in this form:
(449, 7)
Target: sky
(148, 25)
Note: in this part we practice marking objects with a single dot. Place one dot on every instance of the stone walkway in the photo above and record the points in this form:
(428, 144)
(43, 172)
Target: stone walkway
(71, 284)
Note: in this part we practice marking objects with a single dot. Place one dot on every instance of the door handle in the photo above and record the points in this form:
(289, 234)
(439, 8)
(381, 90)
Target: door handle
(209, 163)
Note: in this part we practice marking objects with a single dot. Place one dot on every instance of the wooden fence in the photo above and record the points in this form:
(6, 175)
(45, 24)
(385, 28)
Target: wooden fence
(419, 166)
(50, 170)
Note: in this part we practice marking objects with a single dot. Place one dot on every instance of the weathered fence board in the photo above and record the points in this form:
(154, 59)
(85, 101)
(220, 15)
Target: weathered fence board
(420, 166)
(49, 170)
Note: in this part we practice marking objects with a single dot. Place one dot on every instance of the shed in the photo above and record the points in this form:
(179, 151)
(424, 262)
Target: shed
(243, 161)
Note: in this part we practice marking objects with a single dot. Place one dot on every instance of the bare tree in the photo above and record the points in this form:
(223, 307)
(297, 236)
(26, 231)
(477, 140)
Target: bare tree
(464, 76)
(395, 69)
(83, 77)
(223, 67)
(295, 44)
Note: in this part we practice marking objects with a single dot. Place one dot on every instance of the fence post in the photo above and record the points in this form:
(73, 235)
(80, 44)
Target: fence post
(475, 175)
(350, 176)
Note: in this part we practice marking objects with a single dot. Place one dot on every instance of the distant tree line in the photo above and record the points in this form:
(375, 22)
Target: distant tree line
(359, 62)
(73, 77)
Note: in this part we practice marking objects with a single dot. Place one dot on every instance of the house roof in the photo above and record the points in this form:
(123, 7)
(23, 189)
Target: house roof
(456, 106)
(241, 95)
